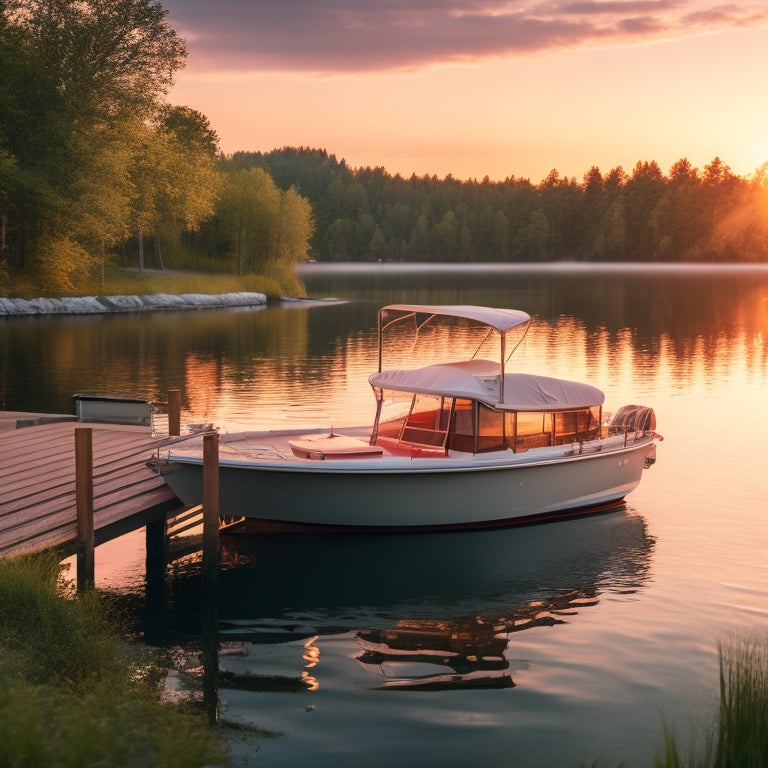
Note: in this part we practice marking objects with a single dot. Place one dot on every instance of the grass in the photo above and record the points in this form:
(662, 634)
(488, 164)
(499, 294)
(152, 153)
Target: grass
(71, 693)
(743, 718)
(127, 282)
(739, 738)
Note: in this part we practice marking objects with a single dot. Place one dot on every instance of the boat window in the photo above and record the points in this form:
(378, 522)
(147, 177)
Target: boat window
(405, 420)
(392, 410)
(534, 430)
(574, 426)
(490, 429)
(537, 429)
(428, 420)
(462, 436)
(510, 428)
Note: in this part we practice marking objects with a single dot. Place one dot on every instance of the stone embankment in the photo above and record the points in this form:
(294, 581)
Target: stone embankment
(93, 305)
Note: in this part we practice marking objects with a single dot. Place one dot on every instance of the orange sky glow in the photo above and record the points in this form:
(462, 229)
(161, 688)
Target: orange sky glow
(480, 88)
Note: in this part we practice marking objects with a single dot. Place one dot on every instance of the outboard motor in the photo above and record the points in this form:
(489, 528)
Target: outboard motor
(635, 418)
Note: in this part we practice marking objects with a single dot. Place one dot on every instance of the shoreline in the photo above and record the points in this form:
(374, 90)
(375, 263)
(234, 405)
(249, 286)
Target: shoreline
(105, 305)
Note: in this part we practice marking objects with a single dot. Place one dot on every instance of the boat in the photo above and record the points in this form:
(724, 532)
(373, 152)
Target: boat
(455, 443)
(113, 409)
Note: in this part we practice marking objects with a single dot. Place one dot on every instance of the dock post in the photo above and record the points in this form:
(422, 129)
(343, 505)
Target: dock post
(156, 560)
(84, 502)
(210, 568)
(210, 511)
(174, 412)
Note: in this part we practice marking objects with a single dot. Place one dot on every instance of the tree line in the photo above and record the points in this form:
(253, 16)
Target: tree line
(98, 169)
(687, 215)
(95, 163)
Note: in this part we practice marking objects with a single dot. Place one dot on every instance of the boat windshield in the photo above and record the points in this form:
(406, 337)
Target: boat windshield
(430, 334)
(428, 424)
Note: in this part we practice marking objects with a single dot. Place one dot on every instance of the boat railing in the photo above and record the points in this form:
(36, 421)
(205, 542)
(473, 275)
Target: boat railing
(628, 433)
(634, 422)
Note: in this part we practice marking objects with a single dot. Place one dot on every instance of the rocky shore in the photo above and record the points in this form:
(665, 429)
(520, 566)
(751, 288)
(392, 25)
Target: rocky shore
(93, 305)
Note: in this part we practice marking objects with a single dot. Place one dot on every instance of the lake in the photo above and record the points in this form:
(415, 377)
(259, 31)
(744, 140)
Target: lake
(578, 640)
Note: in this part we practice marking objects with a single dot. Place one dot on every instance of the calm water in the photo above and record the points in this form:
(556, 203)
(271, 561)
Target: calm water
(577, 639)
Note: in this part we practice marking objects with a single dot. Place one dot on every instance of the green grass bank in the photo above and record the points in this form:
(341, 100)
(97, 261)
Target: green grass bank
(75, 692)
(130, 282)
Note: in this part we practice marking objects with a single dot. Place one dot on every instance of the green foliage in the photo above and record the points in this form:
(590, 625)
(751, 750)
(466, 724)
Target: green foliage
(94, 164)
(699, 754)
(261, 228)
(366, 214)
(174, 179)
(740, 736)
(41, 725)
(5, 277)
(65, 641)
(106, 57)
(743, 719)
(60, 263)
(206, 280)
(69, 697)
(191, 129)
(89, 151)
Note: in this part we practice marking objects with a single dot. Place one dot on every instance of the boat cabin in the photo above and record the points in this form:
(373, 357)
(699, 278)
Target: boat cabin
(430, 423)
(473, 405)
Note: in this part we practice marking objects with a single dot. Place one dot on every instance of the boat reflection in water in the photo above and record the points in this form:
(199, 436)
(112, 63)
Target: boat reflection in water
(428, 611)
(434, 654)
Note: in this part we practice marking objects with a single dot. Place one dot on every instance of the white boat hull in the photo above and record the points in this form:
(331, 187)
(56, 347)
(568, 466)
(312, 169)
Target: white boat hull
(400, 493)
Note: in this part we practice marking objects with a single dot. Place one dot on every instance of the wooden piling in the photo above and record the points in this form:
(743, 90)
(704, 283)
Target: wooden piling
(210, 510)
(174, 412)
(210, 570)
(84, 504)
(156, 560)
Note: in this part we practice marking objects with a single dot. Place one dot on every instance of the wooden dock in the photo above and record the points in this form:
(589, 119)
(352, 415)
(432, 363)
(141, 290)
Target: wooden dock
(38, 489)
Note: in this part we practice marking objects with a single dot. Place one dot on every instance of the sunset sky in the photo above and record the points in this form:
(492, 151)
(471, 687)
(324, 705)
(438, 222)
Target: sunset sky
(483, 87)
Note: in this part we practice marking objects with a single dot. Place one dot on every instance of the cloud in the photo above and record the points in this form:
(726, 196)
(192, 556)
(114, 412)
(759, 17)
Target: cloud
(369, 35)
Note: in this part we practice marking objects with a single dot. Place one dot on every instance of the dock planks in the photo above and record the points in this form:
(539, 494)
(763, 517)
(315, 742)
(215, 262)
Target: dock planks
(37, 482)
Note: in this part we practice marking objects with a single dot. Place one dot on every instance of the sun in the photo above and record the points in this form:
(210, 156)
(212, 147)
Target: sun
(756, 160)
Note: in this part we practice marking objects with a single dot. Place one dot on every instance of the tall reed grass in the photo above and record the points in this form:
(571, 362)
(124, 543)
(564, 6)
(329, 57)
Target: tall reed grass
(742, 738)
(739, 738)
(71, 694)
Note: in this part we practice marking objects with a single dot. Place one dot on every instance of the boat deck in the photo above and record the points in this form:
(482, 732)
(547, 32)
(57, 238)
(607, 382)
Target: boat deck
(350, 445)
(305, 445)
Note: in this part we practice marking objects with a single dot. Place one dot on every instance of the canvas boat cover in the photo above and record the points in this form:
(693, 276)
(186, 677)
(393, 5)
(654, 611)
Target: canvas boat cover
(501, 320)
(479, 380)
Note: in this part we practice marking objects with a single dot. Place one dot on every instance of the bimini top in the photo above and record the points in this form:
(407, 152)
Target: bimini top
(501, 320)
(504, 327)
(479, 380)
